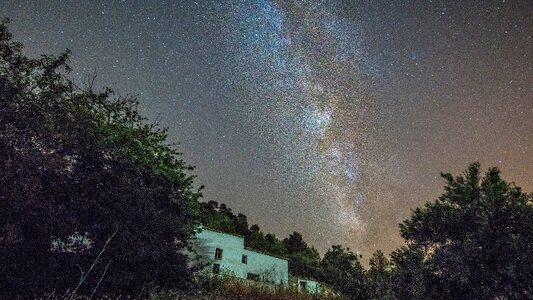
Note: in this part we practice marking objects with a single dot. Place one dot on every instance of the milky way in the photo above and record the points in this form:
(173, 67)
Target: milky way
(331, 118)
(304, 72)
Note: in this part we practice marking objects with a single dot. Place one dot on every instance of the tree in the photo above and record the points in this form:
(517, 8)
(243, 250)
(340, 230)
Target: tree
(303, 260)
(222, 218)
(380, 277)
(474, 242)
(295, 243)
(341, 269)
(87, 186)
(299, 251)
(410, 276)
(241, 225)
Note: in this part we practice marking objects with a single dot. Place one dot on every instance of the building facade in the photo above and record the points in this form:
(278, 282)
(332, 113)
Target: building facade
(225, 253)
(308, 285)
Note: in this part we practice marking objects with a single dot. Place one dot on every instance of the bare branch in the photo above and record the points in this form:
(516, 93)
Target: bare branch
(95, 262)
(99, 281)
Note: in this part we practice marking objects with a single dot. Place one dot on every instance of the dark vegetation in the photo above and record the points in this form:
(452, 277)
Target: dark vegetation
(474, 242)
(90, 194)
(340, 268)
(94, 201)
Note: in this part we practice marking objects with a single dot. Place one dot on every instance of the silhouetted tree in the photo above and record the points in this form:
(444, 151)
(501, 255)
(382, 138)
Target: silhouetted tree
(241, 225)
(379, 275)
(254, 228)
(91, 196)
(474, 242)
(295, 243)
(411, 276)
(341, 269)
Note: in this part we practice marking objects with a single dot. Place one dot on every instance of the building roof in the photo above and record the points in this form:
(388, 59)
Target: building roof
(219, 231)
(247, 248)
(266, 253)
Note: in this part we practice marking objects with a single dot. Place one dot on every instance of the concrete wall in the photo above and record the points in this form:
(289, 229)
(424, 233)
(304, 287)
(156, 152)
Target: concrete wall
(206, 243)
(308, 285)
(269, 269)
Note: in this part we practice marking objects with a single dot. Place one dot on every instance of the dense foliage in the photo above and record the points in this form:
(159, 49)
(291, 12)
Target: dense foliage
(474, 242)
(92, 198)
(220, 217)
(379, 284)
(341, 268)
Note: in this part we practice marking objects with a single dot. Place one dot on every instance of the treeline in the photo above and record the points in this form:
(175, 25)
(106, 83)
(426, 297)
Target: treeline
(474, 242)
(339, 267)
(94, 201)
(221, 218)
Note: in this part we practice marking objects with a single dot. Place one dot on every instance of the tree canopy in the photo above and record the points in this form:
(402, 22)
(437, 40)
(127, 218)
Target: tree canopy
(474, 242)
(92, 197)
(341, 268)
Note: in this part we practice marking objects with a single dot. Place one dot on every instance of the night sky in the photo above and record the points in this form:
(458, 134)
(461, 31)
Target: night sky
(331, 118)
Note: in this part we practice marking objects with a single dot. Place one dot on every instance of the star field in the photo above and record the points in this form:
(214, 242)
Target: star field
(332, 118)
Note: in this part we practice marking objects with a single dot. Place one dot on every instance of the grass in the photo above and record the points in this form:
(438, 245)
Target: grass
(213, 287)
(232, 288)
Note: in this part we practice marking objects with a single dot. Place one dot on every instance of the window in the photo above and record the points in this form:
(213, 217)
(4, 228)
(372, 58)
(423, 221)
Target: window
(245, 259)
(216, 268)
(252, 276)
(218, 254)
(303, 285)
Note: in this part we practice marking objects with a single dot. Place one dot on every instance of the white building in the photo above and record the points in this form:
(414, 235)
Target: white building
(308, 285)
(225, 253)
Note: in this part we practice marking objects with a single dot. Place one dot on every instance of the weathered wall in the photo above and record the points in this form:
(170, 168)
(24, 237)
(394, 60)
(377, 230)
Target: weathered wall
(311, 286)
(269, 268)
(207, 241)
